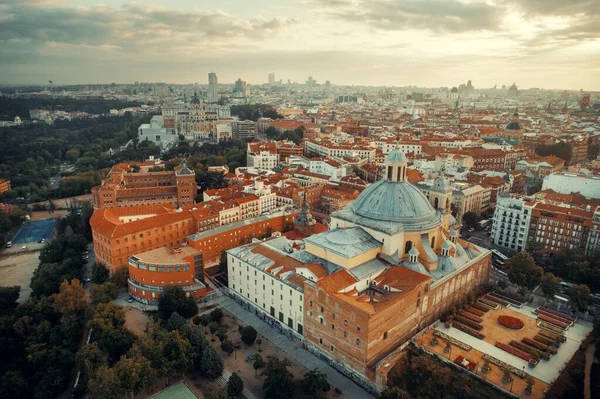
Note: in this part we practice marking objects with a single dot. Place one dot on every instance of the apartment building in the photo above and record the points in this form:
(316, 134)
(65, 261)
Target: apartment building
(512, 217)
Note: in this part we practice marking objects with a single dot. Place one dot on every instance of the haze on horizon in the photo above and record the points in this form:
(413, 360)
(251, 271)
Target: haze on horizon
(552, 44)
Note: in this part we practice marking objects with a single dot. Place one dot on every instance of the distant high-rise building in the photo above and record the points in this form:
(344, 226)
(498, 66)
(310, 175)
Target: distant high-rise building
(272, 78)
(240, 89)
(213, 92)
(311, 82)
(513, 91)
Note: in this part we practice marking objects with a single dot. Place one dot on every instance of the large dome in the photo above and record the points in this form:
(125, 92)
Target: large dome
(394, 202)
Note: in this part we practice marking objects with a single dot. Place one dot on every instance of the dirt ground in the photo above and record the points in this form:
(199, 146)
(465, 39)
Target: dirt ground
(64, 203)
(43, 215)
(17, 269)
(237, 360)
(494, 375)
(135, 320)
(495, 332)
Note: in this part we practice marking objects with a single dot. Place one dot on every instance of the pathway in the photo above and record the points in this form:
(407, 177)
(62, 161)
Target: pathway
(293, 349)
(589, 359)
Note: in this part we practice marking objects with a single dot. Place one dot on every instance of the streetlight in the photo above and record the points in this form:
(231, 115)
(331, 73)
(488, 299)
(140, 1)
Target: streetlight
(512, 380)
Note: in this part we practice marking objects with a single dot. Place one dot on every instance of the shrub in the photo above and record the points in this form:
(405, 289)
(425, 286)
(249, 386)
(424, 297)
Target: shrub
(469, 323)
(497, 300)
(216, 315)
(480, 307)
(519, 353)
(472, 317)
(469, 330)
(534, 353)
(511, 322)
(248, 335)
(227, 347)
(475, 311)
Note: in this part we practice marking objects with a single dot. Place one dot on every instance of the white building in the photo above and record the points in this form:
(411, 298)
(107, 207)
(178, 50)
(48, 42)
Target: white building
(512, 217)
(268, 199)
(567, 183)
(268, 279)
(328, 167)
(157, 133)
(262, 159)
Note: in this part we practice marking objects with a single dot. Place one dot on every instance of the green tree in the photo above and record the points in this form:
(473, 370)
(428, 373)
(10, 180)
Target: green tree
(90, 357)
(120, 276)
(524, 272)
(259, 362)
(502, 284)
(221, 334)
(211, 364)
(105, 384)
(470, 219)
(8, 299)
(394, 393)
(272, 133)
(550, 285)
(314, 381)
(216, 315)
(175, 322)
(173, 299)
(227, 346)
(248, 335)
(235, 385)
(99, 273)
(205, 320)
(279, 380)
(103, 293)
(580, 297)
(135, 372)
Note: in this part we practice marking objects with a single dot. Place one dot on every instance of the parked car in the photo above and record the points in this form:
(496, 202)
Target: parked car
(129, 299)
(85, 257)
(24, 248)
(43, 240)
(9, 244)
(471, 230)
(87, 280)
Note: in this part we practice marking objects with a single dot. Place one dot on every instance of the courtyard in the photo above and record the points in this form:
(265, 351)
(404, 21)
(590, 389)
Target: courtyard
(507, 346)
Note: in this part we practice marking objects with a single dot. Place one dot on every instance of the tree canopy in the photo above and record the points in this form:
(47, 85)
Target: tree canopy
(173, 299)
(279, 380)
(524, 272)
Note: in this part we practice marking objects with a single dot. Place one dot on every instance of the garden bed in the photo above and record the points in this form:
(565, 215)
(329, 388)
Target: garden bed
(534, 353)
(555, 337)
(480, 307)
(474, 311)
(472, 317)
(510, 322)
(489, 304)
(551, 327)
(509, 299)
(503, 365)
(557, 313)
(514, 351)
(552, 320)
(539, 346)
(469, 330)
(469, 323)
(553, 316)
(496, 300)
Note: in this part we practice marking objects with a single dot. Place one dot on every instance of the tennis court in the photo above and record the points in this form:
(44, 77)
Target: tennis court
(34, 231)
(177, 391)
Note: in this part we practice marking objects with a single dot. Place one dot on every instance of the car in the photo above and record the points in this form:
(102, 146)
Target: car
(9, 244)
(468, 236)
(471, 230)
(129, 299)
(86, 280)
(85, 257)
(23, 248)
(249, 358)
(43, 240)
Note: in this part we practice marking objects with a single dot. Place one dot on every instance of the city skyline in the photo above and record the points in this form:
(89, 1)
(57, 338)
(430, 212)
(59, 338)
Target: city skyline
(431, 43)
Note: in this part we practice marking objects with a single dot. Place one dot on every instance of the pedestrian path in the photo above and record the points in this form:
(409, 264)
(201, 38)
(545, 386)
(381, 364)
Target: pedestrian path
(294, 350)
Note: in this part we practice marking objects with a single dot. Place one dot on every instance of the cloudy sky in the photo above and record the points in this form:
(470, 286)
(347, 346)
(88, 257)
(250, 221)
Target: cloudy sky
(536, 43)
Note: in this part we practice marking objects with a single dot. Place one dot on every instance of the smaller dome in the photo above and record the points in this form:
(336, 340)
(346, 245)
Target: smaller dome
(395, 156)
(446, 245)
(513, 126)
(413, 251)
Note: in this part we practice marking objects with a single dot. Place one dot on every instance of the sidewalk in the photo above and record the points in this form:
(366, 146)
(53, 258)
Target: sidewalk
(294, 350)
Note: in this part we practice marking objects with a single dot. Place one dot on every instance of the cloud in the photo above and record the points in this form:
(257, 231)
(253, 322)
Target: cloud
(432, 15)
(130, 27)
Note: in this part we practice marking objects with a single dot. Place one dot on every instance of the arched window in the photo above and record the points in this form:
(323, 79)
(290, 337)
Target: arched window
(407, 246)
(433, 242)
(436, 202)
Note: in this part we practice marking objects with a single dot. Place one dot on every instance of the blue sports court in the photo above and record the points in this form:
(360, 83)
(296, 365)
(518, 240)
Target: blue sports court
(34, 231)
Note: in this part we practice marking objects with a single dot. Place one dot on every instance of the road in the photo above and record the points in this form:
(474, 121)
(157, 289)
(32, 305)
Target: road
(87, 267)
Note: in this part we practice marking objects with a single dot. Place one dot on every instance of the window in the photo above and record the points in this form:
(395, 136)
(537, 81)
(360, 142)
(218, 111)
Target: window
(385, 335)
(357, 329)
(357, 341)
(345, 334)
(321, 341)
(331, 348)
(345, 322)
(332, 326)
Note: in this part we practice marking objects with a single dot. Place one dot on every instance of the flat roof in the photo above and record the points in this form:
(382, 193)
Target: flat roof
(164, 255)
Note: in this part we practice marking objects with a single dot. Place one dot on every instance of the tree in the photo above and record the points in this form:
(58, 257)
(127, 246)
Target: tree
(103, 293)
(8, 299)
(314, 381)
(502, 284)
(175, 322)
(259, 362)
(196, 320)
(70, 298)
(221, 334)
(580, 297)
(259, 343)
(205, 320)
(248, 335)
(173, 299)
(135, 372)
(99, 273)
(279, 381)
(227, 346)
(216, 315)
(235, 385)
(110, 332)
(105, 384)
(524, 272)
(550, 285)
(211, 364)
(470, 219)
(90, 357)
(120, 276)
(394, 393)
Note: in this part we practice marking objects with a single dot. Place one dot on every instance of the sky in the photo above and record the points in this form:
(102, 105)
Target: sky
(551, 44)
